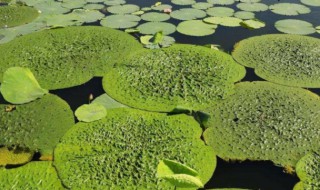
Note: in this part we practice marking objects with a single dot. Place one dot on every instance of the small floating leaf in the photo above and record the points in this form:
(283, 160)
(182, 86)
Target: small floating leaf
(202, 5)
(196, 28)
(91, 112)
(224, 21)
(188, 14)
(253, 24)
(253, 7)
(183, 2)
(114, 2)
(93, 6)
(293, 26)
(14, 156)
(16, 15)
(161, 7)
(289, 9)
(120, 21)
(108, 102)
(221, 2)
(318, 29)
(315, 3)
(220, 11)
(155, 17)
(123, 9)
(19, 86)
(244, 15)
(154, 27)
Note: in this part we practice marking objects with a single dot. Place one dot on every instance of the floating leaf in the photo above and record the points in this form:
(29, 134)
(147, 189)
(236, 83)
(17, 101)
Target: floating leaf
(165, 42)
(318, 29)
(315, 3)
(154, 27)
(91, 112)
(183, 2)
(250, 1)
(187, 14)
(93, 6)
(221, 2)
(244, 15)
(50, 7)
(120, 21)
(131, 30)
(123, 9)
(114, 2)
(220, 11)
(202, 5)
(108, 102)
(19, 86)
(289, 9)
(87, 16)
(253, 7)
(138, 13)
(14, 156)
(73, 4)
(161, 7)
(253, 24)
(178, 174)
(155, 17)
(196, 28)
(16, 15)
(224, 21)
(293, 26)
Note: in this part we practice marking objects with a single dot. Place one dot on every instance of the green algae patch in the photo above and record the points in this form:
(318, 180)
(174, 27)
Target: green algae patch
(181, 76)
(308, 170)
(265, 121)
(37, 126)
(11, 16)
(122, 151)
(14, 156)
(282, 58)
(67, 57)
(34, 175)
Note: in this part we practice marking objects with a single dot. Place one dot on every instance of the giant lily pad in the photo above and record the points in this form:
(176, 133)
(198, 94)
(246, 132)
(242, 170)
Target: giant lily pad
(188, 14)
(123, 9)
(16, 15)
(290, 9)
(181, 77)
(124, 149)
(196, 28)
(120, 21)
(220, 11)
(315, 3)
(253, 7)
(37, 125)
(265, 121)
(34, 175)
(19, 86)
(59, 61)
(155, 17)
(154, 27)
(308, 170)
(278, 58)
(294, 26)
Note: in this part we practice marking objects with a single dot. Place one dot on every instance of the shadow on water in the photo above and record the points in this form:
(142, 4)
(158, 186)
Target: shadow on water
(262, 175)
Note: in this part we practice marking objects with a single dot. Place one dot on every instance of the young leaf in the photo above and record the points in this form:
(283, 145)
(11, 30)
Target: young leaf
(158, 37)
(91, 112)
(19, 86)
(178, 174)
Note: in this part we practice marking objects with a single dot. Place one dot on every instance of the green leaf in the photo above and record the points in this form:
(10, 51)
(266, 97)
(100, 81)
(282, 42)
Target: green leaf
(19, 86)
(183, 2)
(224, 21)
(154, 27)
(188, 14)
(155, 17)
(315, 3)
(253, 7)
(221, 2)
(244, 15)
(158, 37)
(91, 112)
(289, 9)
(253, 24)
(293, 26)
(202, 5)
(108, 102)
(220, 11)
(123, 9)
(196, 28)
(178, 174)
(120, 21)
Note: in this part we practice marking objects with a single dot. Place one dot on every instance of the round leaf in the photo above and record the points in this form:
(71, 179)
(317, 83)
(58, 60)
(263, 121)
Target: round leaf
(196, 28)
(90, 112)
(120, 21)
(154, 27)
(293, 26)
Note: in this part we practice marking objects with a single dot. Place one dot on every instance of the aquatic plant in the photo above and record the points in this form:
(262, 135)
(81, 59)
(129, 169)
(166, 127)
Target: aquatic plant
(122, 151)
(223, 21)
(14, 156)
(196, 28)
(120, 21)
(59, 61)
(289, 9)
(265, 121)
(16, 15)
(308, 170)
(179, 77)
(90, 112)
(285, 59)
(34, 175)
(108, 102)
(314, 3)
(154, 27)
(294, 26)
(37, 126)
(187, 14)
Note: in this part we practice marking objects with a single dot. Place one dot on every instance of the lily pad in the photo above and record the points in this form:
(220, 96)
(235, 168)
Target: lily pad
(154, 27)
(202, 5)
(294, 26)
(16, 15)
(318, 29)
(123, 9)
(87, 16)
(71, 4)
(155, 17)
(160, 80)
(221, 2)
(129, 143)
(183, 2)
(161, 7)
(14, 156)
(188, 14)
(277, 58)
(50, 7)
(34, 175)
(308, 171)
(253, 7)
(265, 121)
(108, 102)
(19, 86)
(224, 21)
(114, 2)
(196, 28)
(315, 3)
(220, 11)
(244, 15)
(93, 6)
(91, 112)
(59, 61)
(37, 126)
(166, 41)
(178, 174)
(253, 24)
(289, 9)
(120, 21)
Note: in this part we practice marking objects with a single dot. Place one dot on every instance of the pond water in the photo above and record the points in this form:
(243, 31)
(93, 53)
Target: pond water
(251, 175)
